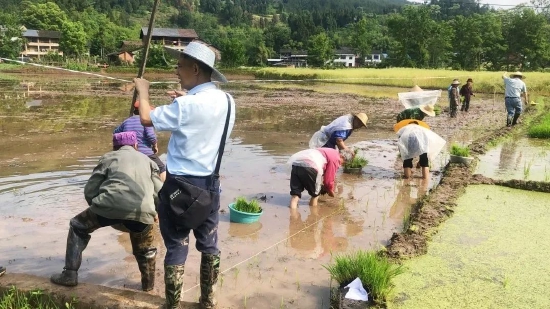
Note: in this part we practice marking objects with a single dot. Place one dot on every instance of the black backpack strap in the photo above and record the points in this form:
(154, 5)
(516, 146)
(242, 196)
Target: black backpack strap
(224, 136)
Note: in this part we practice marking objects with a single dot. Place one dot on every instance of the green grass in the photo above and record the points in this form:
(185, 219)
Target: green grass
(357, 161)
(245, 206)
(486, 82)
(376, 272)
(540, 129)
(15, 299)
(461, 151)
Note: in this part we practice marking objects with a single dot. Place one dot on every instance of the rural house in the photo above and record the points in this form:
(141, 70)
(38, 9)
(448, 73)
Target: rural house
(288, 57)
(375, 58)
(344, 57)
(40, 42)
(126, 52)
(176, 38)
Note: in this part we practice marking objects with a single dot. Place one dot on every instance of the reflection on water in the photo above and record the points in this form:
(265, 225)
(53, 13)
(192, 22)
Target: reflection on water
(523, 158)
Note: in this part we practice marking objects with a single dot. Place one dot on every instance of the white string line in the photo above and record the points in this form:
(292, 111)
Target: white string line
(273, 245)
(236, 81)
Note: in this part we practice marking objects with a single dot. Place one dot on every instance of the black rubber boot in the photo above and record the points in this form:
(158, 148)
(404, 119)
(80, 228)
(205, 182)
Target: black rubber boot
(173, 282)
(73, 259)
(145, 253)
(508, 121)
(515, 120)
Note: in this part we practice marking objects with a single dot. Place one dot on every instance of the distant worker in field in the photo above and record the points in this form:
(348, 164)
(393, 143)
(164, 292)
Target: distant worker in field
(466, 91)
(334, 134)
(514, 89)
(315, 170)
(454, 98)
(2, 270)
(122, 191)
(146, 138)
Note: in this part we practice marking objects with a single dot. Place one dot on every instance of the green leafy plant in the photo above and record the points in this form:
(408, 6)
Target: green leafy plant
(36, 299)
(245, 206)
(375, 272)
(461, 151)
(437, 110)
(541, 129)
(357, 161)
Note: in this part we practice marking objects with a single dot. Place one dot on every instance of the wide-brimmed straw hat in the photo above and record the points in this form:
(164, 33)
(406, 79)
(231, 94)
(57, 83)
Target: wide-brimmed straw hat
(362, 117)
(398, 126)
(455, 82)
(428, 109)
(202, 53)
(416, 89)
(518, 74)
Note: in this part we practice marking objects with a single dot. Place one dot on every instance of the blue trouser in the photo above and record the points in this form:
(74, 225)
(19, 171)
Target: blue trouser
(176, 240)
(513, 106)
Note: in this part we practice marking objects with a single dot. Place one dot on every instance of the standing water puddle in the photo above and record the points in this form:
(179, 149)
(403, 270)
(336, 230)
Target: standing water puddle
(523, 158)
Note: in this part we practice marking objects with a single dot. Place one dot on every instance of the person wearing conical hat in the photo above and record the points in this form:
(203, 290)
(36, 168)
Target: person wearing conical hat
(514, 90)
(334, 134)
(454, 97)
(417, 113)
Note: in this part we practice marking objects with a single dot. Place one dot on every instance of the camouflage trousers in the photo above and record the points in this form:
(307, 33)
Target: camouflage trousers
(141, 237)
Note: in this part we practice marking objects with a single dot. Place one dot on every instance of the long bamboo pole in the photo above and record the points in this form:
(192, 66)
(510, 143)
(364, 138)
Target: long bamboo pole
(145, 51)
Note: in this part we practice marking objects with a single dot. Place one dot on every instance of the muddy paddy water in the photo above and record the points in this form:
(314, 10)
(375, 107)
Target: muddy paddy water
(53, 134)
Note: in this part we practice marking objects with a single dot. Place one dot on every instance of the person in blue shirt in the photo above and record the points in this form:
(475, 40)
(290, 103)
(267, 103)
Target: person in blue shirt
(514, 90)
(341, 128)
(196, 121)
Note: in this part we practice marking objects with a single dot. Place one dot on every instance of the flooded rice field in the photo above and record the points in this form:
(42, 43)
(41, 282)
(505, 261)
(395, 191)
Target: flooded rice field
(522, 158)
(54, 128)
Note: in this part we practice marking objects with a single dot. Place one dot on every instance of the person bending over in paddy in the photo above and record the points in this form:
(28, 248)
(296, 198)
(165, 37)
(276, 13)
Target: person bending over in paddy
(334, 134)
(122, 191)
(314, 170)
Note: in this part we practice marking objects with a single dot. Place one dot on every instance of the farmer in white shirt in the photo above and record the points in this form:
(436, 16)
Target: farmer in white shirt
(196, 121)
(514, 89)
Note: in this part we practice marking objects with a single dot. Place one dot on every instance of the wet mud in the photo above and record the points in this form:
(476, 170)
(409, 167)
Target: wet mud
(52, 146)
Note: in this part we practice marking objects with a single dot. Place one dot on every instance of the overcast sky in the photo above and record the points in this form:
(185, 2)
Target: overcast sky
(506, 2)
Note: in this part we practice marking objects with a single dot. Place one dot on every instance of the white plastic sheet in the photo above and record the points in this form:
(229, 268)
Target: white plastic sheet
(415, 99)
(414, 140)
(356, 291)
(321, 137)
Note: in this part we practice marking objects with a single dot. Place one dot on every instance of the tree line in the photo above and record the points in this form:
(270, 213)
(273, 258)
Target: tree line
(459, 34)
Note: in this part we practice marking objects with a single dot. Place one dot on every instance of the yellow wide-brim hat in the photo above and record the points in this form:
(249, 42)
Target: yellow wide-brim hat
(398, 126)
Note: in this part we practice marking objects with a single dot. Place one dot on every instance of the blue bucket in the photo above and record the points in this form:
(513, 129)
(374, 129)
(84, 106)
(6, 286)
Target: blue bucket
(242, 217)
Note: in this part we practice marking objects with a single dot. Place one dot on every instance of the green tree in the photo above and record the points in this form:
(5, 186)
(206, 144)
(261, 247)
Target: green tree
(157, 58)
(413, 31)
(73, 40)
(233, 53)
(528, 38)
(320, 50)
(43, 16)
(11, 41)
(366, 35)
(493, 54)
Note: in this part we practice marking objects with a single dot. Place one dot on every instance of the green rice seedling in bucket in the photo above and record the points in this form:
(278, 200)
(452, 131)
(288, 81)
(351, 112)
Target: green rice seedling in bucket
(243, 211)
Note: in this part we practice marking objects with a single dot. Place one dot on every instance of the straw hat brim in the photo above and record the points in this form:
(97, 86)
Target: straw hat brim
(427, 112)
(398, 126)
(518, 74)
(216, 75)
(360, 117)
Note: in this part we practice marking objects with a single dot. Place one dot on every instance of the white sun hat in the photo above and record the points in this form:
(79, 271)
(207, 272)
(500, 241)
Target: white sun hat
(202, 53)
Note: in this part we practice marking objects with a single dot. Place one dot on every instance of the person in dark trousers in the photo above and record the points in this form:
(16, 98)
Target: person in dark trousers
(466, 91)
(197, 122)
(122, 192)
(454, 98)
